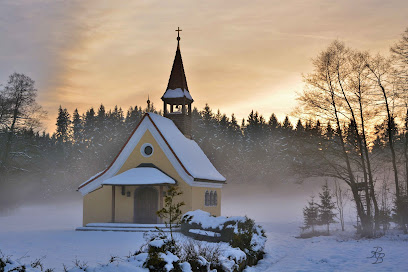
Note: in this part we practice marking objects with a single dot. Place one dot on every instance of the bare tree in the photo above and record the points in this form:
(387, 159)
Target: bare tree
(22, 110)
(326, 97)
(400, 62)
(383, 74)
(341, 198)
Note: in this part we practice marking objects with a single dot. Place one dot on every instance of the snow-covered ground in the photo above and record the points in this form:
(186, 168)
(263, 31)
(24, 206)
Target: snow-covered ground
(48, 232)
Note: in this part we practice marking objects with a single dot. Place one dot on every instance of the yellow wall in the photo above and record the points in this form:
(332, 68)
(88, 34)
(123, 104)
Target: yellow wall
(97, 204)
(199, 200)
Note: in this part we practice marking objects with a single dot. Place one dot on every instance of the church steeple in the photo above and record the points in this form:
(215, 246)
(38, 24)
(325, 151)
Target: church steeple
(177, 98)
(177, 86)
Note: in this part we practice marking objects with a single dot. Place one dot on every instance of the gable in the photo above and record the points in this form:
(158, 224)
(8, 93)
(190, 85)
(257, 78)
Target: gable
(158, 157)
(150, 129)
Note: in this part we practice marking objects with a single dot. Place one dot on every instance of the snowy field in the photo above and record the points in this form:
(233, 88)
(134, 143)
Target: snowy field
(28, 234)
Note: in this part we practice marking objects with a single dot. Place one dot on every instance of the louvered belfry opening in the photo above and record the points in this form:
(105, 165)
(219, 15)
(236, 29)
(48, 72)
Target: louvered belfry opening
(177, 99)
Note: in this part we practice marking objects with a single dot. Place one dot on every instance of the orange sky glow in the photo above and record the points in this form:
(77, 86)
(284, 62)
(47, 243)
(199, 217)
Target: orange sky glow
(238, 55)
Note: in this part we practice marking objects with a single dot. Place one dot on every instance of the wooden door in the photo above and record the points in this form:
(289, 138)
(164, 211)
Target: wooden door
(146, 205)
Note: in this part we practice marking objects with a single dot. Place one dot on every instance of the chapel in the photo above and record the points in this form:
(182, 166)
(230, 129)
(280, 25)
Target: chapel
(159, 153)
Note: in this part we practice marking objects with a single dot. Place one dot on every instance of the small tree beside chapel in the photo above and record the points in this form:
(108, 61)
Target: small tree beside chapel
(171, 212)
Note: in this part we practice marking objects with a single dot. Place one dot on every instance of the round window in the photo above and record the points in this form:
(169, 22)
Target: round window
(147, 150)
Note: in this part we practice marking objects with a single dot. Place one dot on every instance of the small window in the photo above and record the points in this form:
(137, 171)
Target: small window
(147, 150)
(210, 198)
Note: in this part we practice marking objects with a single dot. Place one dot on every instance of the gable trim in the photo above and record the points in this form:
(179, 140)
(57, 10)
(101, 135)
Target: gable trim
(116, 157)
(183, 172)
(171, 149)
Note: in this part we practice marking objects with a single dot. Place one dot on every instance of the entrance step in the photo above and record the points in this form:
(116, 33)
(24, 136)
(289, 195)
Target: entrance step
(125, 227)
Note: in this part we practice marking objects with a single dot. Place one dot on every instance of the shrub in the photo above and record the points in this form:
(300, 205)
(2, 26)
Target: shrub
(201, 257)
(162, 254)
(239, 232)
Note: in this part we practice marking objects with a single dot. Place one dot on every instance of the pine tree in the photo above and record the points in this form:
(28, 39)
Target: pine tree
(63, 124)
(273, 122)
(299, 126)
(326, 207)
(286, 124)
(76, 126)
(311, 215)
(329, 131)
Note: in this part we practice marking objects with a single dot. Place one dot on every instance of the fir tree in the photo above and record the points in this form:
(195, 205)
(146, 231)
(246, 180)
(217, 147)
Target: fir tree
(326, 207)
(311, 215)
(329, 131)
(286, 124)
(76, 126)
(299, 126)
(273, 122)
(63, 124)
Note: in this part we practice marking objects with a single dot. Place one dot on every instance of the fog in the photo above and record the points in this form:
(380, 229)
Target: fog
(272, 203)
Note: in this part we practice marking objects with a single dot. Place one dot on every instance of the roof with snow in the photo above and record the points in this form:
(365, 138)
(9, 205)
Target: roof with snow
(187, 150)
(185, 155)
(140, 176)
(177, 86)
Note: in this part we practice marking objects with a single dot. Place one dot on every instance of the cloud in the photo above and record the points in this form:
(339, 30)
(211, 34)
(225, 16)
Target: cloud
(238, 55)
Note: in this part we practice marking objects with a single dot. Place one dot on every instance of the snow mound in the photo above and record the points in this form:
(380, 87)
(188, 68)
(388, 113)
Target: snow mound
(210, 222)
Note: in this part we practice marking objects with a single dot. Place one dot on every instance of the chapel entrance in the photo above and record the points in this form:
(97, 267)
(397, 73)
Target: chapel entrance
(146, 205)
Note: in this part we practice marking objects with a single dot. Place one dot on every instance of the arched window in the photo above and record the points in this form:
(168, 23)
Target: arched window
(215, 202)
(207, 199)
(212, 198)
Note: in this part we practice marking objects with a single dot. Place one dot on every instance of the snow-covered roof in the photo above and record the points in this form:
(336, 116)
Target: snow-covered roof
(140, 176)
(186, 156)
(177, 93)
(188, 151)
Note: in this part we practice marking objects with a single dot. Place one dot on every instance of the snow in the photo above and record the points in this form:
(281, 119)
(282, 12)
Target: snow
(205, 232)
(177, 93)
(169, 258)
(125, 225)
(188, 151)
(91, 178)
(230, 257)
(48, 231)
(211, 222)
(140, 176)
(258, 241)
(185, 267)
(157, 243)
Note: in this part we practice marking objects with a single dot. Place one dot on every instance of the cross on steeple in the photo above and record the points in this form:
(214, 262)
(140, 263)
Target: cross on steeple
(178, 33)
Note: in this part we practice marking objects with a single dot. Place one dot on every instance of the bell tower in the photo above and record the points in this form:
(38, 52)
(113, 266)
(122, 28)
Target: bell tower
(177, 99)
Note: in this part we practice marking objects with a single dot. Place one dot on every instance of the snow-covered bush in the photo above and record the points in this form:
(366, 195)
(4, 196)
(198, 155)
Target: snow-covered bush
(7, 265)
(162, 254)
(240, 232)
(201, 256)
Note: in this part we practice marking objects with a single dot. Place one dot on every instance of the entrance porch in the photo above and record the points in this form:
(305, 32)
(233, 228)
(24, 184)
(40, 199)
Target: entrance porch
(137, 195)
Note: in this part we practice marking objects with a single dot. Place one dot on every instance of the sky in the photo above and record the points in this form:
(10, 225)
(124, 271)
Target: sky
(238, 55)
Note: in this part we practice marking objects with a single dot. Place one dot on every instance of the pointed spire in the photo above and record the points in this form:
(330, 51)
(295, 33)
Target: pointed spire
(177, 86)
(148, 103)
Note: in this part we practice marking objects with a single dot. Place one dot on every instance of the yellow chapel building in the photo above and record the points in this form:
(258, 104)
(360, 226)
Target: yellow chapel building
(159, 153)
